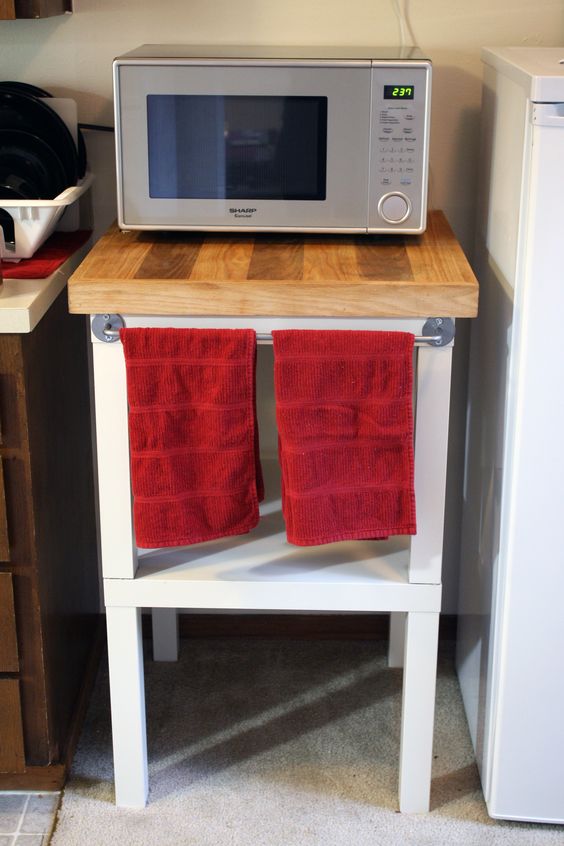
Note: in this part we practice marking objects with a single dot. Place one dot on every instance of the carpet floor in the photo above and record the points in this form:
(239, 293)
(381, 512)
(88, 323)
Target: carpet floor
(264, 742)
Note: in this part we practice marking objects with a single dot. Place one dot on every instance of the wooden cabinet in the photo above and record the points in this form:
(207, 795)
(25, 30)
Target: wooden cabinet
(49, 600)
(12, 9)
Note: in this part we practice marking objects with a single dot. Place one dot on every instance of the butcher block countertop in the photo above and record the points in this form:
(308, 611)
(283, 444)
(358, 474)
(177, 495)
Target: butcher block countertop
(185, 273)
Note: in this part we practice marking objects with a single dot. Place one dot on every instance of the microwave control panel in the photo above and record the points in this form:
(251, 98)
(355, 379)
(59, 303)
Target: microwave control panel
(399, 146)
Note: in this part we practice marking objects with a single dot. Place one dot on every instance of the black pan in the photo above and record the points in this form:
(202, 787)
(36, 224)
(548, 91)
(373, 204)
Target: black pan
(24, 88)
(29, 155)
(24, 113)
(34, 91)
(14, 186)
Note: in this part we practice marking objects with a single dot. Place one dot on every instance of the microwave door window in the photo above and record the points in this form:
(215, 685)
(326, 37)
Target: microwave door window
(237, 147)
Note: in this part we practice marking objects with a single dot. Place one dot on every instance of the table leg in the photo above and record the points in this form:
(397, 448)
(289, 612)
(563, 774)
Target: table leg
(396, 642)
(418, 711)
(165, 634)
(127, 694)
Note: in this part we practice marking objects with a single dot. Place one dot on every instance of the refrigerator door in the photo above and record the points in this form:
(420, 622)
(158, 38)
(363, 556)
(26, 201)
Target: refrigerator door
(527, 729)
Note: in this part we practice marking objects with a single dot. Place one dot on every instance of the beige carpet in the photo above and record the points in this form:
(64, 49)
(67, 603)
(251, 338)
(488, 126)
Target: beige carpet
(281, 743)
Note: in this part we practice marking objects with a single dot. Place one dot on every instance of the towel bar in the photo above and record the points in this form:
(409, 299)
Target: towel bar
(437, 331)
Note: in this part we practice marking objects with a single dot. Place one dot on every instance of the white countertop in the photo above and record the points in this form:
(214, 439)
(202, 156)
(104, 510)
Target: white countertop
(23, 302)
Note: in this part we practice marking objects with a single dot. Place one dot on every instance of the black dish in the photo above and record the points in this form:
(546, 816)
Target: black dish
(24, 88)
(34, 91)
(22, 112)
(14, 186)
(28, 155)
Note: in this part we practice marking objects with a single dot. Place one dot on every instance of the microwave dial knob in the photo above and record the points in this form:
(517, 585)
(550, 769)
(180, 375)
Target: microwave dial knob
(394, 207)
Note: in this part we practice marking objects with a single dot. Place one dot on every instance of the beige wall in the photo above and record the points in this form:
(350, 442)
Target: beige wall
(72, 55)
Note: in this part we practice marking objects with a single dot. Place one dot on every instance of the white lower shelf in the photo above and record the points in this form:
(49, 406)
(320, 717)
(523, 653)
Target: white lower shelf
(262, 571)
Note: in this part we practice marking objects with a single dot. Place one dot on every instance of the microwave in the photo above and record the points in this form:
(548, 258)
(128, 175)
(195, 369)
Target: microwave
(272, 139)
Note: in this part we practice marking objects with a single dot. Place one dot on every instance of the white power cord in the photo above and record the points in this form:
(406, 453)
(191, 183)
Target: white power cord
(407, 38)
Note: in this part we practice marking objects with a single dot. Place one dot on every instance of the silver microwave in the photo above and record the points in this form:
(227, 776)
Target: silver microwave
(272, 139)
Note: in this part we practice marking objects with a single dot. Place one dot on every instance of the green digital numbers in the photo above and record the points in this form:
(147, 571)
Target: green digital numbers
(399, 92)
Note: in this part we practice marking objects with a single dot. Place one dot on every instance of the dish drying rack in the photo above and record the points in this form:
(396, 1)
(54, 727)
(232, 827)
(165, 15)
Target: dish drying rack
(26, 224)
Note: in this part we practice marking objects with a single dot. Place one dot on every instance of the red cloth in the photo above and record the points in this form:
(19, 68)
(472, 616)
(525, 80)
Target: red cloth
(345, 426)
(51, 255)
(195, 469)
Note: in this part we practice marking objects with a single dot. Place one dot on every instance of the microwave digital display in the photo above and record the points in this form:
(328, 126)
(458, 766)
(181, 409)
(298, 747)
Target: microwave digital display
(399, 92)
(237, 147)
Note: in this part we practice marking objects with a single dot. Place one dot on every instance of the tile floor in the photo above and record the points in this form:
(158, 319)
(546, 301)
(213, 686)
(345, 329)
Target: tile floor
(27, 819)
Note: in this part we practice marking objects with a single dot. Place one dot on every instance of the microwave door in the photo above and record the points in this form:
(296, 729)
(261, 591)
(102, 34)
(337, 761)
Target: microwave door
(249, 156)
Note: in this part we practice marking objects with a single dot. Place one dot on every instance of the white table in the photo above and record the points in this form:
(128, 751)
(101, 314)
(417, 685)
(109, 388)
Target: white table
(261, 571)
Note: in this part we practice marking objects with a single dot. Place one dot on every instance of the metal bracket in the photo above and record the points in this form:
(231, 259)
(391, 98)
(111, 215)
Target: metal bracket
(106, 327)
(441, 330)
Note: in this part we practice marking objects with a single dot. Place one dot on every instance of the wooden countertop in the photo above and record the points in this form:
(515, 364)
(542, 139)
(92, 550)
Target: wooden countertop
(301, 275)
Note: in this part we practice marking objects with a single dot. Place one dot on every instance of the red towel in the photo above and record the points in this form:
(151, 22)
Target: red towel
(45, 261)
(195, 469)
(345, 426)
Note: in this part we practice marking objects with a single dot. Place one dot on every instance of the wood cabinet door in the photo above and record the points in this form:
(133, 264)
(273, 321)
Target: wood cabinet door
(12, 758)
(9, 662)
(7, 10)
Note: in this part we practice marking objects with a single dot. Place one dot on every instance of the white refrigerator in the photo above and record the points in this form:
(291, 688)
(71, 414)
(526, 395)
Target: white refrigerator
(510, 645)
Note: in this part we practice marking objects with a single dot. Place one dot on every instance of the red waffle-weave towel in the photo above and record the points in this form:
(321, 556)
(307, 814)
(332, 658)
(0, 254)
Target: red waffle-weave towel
(195, 470)
(345, 426)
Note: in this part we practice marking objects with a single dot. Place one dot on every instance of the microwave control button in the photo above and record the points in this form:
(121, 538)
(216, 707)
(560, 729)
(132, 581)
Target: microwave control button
(394, 208)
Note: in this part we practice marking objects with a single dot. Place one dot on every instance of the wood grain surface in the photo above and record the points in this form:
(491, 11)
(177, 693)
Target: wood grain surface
(11, 733)
(291, 275)
(9, 662)
(7, 10)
